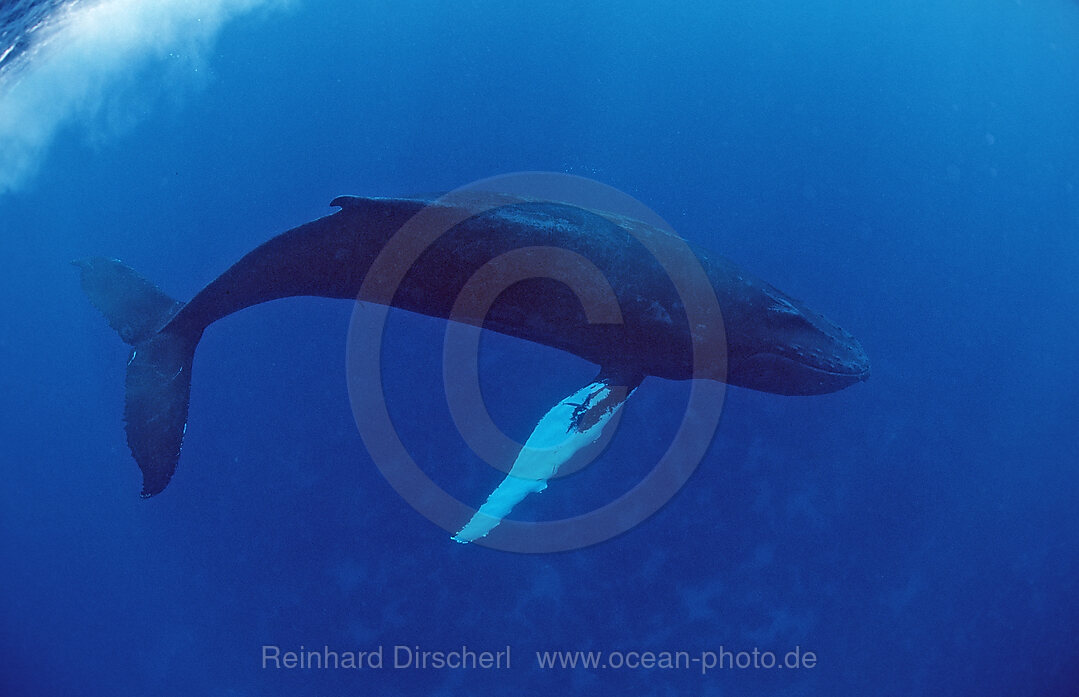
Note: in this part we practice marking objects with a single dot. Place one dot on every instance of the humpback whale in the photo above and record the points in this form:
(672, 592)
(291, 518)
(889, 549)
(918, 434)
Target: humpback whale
(773, 343)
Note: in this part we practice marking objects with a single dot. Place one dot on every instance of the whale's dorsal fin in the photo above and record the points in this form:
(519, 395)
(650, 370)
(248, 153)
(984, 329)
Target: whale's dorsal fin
(359, 201)
(347, 201)
(570, 426)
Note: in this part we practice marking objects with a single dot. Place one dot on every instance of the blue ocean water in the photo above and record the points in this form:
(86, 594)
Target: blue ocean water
(909, 169)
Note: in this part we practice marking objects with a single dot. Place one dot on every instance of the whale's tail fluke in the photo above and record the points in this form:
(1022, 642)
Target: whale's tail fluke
(159, 370)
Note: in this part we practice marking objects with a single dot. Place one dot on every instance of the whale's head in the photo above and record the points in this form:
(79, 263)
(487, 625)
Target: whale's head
(786, 348)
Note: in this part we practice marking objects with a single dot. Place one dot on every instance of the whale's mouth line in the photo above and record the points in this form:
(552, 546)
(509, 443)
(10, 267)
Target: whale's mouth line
(862, 374)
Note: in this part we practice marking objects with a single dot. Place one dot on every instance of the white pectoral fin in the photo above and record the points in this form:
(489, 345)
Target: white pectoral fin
(573, 424)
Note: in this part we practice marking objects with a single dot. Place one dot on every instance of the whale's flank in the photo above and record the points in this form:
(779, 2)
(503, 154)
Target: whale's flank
(158, 383)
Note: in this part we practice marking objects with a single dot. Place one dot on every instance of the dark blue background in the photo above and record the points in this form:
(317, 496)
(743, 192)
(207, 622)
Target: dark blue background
(907, 168)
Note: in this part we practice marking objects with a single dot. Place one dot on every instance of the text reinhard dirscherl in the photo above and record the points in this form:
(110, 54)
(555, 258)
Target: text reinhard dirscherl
(399, 657)
(402, 657)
